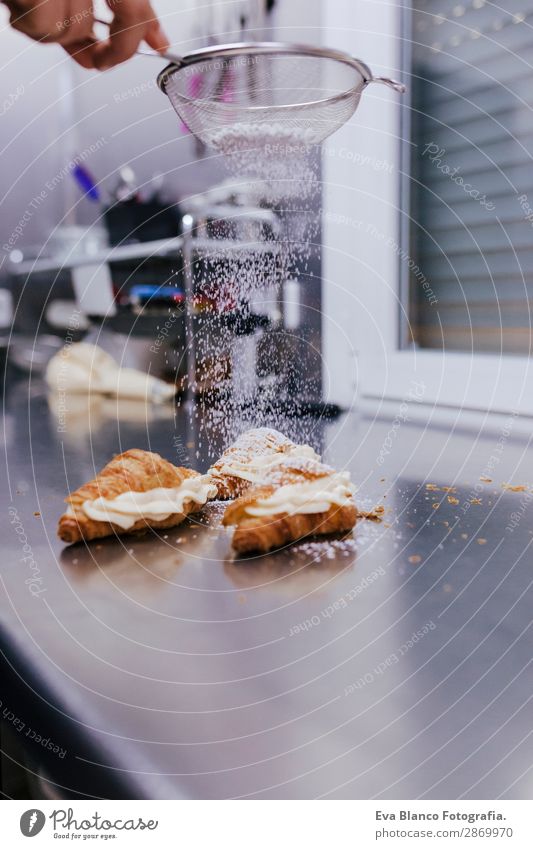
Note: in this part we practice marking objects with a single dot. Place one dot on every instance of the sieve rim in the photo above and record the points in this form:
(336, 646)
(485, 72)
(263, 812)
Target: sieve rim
(231, 107)
(268, 48)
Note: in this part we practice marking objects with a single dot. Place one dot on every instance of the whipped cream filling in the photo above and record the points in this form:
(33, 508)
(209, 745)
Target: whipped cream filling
(155, 505)
(310, 497)
(254, 470)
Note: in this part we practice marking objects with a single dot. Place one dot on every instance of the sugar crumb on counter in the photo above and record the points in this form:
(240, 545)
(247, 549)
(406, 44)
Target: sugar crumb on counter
(326, 548)
(374, 515)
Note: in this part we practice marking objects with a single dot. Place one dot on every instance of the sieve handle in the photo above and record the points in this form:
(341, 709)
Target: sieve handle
(170, 57)
(397, 86)
(369, 77)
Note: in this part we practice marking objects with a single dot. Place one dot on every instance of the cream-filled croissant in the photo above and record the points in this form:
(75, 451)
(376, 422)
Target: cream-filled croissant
(297, 498)
(136, 491)
(251, 457)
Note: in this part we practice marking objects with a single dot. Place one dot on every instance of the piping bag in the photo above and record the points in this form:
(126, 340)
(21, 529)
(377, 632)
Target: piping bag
(83, 368)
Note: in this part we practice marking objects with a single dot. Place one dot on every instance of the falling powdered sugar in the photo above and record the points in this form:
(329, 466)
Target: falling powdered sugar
(275, 153)
(250, 368)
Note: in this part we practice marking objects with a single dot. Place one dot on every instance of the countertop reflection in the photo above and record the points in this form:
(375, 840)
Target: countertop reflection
(391, 663)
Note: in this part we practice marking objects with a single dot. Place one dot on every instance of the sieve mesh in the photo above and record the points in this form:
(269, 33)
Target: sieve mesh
(252, 98)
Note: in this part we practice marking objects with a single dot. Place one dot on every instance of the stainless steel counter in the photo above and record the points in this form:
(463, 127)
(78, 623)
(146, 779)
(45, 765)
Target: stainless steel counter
(393, 664)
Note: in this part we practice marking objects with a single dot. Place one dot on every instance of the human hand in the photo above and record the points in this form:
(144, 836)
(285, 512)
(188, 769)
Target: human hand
(70, 24)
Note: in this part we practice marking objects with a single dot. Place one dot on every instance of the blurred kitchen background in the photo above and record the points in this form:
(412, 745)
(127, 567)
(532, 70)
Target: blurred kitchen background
(94, 161)
(425, 211)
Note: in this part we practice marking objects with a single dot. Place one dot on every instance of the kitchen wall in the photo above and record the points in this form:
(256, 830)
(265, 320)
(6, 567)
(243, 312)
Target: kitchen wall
(361, 164)
(33, 82)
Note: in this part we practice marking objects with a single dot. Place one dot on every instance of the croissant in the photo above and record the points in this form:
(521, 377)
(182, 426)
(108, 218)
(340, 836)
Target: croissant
(246, 461)
(136, 491)
(299, 499)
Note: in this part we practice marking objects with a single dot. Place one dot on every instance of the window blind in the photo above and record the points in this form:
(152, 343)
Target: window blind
(471, 176)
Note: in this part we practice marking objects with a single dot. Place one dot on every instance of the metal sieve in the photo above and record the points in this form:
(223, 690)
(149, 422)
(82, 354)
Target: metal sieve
(244, 94)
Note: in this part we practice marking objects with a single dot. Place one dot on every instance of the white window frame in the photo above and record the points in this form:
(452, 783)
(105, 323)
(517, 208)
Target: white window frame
(362, 287)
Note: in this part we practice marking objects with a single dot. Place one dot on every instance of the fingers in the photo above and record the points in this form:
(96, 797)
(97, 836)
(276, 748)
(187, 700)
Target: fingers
(36, 20)
(133, 22)
(83, 52)
(62, 21)
(156, 38)
(70, 23)
(76, 27)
